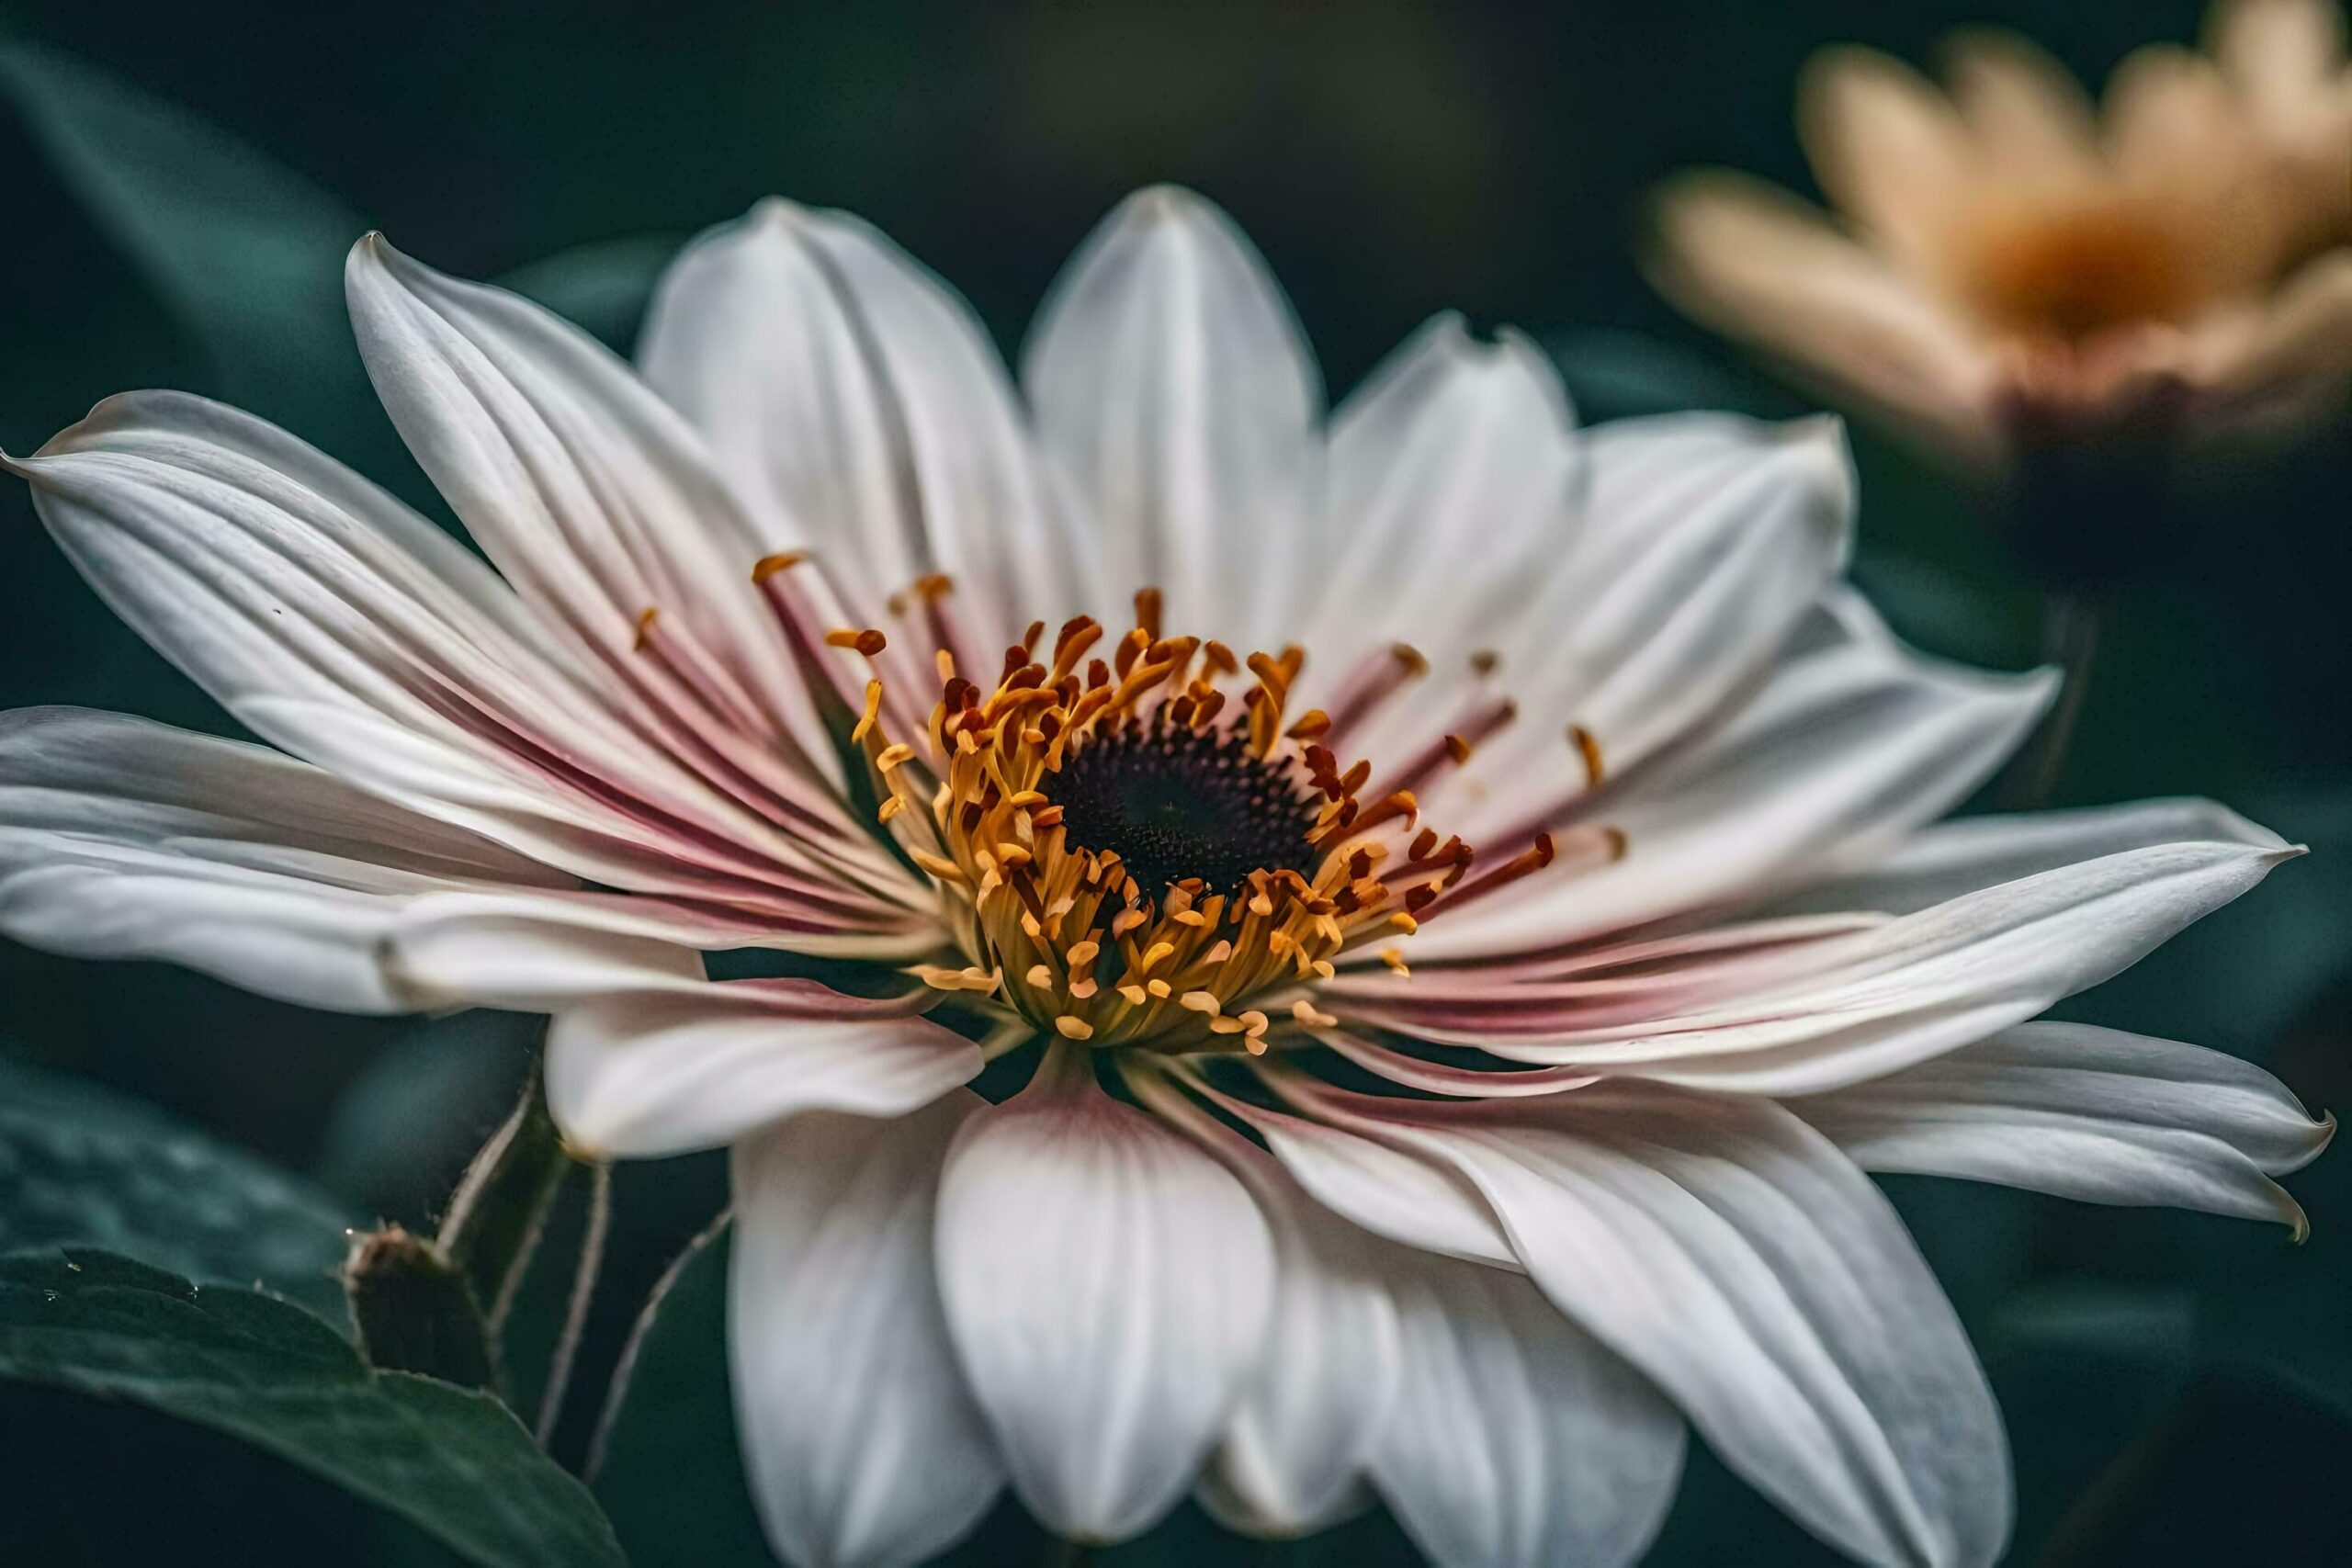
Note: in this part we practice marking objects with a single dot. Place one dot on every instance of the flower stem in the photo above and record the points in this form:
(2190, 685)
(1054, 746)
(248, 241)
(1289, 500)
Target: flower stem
(583, 1293)
(617, 1390)
(495, 1219)
(2070, 628)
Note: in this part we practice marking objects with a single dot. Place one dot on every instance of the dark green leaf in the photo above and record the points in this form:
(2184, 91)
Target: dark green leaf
(245, 252)
(455, 1462)
(81, 1165)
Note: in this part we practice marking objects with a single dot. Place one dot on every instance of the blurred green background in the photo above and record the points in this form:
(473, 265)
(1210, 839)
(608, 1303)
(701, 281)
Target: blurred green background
(2179, 1389)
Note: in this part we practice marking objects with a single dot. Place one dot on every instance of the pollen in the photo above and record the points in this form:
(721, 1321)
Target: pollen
(1149, 847)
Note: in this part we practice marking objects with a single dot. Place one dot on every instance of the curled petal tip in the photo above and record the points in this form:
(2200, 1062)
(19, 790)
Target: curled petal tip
(1820, 438)
(776, 212)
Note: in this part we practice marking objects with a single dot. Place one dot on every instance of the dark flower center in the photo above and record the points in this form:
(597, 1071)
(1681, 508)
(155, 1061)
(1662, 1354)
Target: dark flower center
(1177, 803)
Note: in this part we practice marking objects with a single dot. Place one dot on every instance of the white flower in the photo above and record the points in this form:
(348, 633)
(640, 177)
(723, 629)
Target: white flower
(1711, 960)
(2009, 262)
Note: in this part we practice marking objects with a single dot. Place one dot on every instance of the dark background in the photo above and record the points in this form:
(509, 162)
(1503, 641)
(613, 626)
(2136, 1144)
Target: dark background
(2179, 1388)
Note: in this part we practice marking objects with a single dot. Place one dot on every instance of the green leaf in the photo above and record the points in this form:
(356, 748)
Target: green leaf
(603, 286)
(247, 254)
(454, 1463)
(82, 1166)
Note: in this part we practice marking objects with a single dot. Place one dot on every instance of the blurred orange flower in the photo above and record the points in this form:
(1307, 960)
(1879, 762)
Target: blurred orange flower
(2007, 258)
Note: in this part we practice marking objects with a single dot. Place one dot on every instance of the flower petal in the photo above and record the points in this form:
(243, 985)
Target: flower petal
(2300, 346)
(599, 503)
(1854, 740)
(863, 1445)
(2028, 116)
(1293, 1455)
(1946, 860)
(2089, 1114)
(1756, 262)
(2281, 56)
(334, 621)
(1175, 393)
(1517, 1442)
(1376, 1188)
(1856, 1006)
(1452, 469)
(1733, 1255)
(120, 838)
(1107, 1286)
(669, 1067)
(1704, 542)
(2171, 123)
(1887, 147)
(859, 408)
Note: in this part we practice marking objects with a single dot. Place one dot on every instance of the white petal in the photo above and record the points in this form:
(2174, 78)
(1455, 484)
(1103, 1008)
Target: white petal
(444, 938)
(685, 1064)
(1704, 542)
(863, 1445)
(1971, 853)
(1392, 1195)
(1733, 1255)
(125, 838)
(1452, 471)
(336, 622)
(1107, 1287)
(1853, 742)
(109, 775)
(1174, 392)
(859, 408)
(1517, 1442)
(1293, 1455)
(1692, 519)
(592, 495)
(1857, 1006)
(2089, 1114)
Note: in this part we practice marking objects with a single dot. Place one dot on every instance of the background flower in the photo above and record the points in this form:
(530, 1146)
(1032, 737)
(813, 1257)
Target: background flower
(2009, 265)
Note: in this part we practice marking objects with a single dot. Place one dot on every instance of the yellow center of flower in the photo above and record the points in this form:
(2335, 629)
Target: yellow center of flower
(2070, 268)
(1147, 848)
